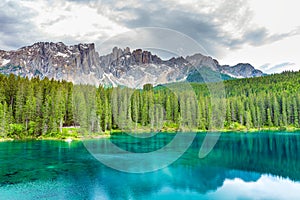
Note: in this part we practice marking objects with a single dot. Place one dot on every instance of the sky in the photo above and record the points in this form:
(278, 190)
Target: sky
(265, 33)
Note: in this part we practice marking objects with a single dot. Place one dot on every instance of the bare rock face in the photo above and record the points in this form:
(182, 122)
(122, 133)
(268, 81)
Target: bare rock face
(138, 67)
(241, 70)
(82, 64)
(199, 60)
(54, 60)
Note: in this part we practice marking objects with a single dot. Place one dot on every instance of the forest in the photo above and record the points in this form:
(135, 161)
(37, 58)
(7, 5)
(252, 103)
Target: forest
(31, 108)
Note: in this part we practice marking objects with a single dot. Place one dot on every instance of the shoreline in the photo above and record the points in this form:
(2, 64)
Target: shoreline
(145, 131)
(67, 139)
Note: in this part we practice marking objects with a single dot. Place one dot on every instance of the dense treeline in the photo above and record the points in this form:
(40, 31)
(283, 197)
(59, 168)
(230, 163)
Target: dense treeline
(43, 107)
(269, 101)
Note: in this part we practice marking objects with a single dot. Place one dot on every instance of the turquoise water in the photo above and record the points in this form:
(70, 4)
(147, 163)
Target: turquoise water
(240, 166)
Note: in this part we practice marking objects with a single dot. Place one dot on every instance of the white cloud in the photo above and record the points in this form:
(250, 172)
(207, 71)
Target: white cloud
(233, 31)
(59, 19)
(277, 16)
(286, 50)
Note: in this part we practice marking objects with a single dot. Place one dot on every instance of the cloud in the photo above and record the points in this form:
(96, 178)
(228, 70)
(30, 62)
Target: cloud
(164, 41)
(54, 21)
(16, 28)
(261, 36)
(219, 26)
(278, 68)
(25, 22)
(206, 28)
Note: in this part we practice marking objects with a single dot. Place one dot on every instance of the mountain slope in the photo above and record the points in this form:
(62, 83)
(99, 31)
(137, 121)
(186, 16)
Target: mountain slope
(241, 70)
(82, 64)
(205, 74)
(76, 63)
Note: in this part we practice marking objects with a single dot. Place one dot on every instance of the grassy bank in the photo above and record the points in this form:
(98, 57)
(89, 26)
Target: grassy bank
(75, 134)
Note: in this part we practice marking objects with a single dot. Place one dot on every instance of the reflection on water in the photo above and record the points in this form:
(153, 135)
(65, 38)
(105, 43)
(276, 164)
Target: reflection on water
(261, 166)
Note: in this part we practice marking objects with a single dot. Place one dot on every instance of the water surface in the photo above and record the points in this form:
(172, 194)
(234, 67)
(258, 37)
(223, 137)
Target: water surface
(241, 166)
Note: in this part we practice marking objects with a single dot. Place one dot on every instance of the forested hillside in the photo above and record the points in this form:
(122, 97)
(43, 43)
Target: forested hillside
(31, 108)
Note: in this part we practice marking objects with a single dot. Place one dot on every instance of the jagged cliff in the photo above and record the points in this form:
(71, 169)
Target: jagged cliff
(82, 64)
(76, 63)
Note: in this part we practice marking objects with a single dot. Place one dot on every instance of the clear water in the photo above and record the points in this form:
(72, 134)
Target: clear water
(241, 166)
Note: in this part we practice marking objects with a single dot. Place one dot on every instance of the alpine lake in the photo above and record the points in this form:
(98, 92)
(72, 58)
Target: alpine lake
(259, 165)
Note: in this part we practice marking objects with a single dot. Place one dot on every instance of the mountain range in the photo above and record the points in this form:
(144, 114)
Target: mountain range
(82, 64)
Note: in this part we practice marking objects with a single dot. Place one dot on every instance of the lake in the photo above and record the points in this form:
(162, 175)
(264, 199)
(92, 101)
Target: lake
(262, 165)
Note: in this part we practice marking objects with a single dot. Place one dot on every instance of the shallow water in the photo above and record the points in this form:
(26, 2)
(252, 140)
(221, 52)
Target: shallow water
(240, 166)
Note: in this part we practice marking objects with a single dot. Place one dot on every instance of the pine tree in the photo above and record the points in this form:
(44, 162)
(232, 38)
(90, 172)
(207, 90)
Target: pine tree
(253, 112)
(144, 111)
(228, 113)
(151, 110)
(20, 102)
(168, 109)
(61, 108)
(269, 117)
(99, 107)
(295, 113)
(276, 111)
(201, 116)
(175, 110)
(3, 128)
(69, 106)
(248, 120)
(283, 111)
(30, 105)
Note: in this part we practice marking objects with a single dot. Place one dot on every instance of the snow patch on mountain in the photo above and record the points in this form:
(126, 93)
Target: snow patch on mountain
(5, 62)
(81, 64)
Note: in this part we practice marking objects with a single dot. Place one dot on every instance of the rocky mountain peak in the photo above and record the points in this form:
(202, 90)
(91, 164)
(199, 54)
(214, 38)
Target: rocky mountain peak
(121, 60)
(199, 60)
(54, 60)
(244, 65)
(145, 57)
(241, 70)
(81, 63)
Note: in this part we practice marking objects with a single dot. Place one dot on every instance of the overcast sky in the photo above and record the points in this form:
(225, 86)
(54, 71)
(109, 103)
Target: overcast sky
(265, 33)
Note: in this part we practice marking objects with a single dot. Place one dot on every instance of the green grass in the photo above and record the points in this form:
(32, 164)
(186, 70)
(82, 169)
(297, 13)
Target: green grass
(169, 127)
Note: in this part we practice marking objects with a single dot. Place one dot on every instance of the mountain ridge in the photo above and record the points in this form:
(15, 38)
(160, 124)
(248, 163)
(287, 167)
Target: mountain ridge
(82, 64)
